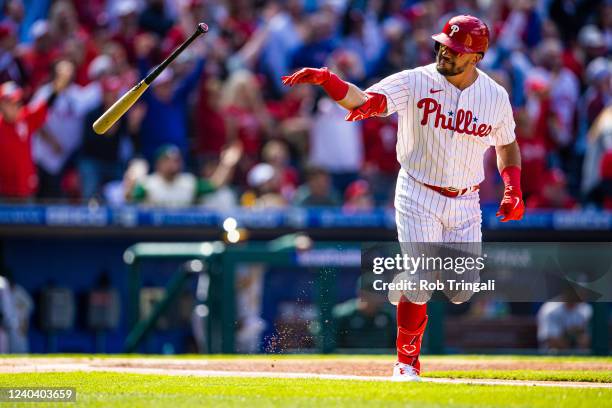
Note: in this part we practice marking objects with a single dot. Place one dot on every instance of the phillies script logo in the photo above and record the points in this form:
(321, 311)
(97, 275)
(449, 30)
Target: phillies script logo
(465, 122)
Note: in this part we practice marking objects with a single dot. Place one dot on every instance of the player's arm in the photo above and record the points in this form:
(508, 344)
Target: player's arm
(347, 95)
(508, 155)
(512, 207)
(354, 98)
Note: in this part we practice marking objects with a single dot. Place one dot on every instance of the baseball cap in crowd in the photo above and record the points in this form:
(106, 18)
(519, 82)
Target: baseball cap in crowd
(356, 189)
(537, 80)
(260, 174)
(10, 91)
(167, 150)
(39, 29)
(99, 66)
(345, 60)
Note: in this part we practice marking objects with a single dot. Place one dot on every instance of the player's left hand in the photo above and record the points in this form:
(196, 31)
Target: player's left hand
(512, 206)
(374, 106)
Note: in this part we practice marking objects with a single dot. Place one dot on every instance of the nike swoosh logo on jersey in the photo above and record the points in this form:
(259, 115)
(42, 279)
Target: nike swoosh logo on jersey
(431, 90)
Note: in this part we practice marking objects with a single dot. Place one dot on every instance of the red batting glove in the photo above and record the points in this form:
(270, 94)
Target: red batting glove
(374, 106)
(512, 206)
(332, 84)
(315, 76)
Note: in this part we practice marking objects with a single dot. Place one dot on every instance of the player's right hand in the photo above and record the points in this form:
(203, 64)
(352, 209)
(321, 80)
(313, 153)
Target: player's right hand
(315, 76)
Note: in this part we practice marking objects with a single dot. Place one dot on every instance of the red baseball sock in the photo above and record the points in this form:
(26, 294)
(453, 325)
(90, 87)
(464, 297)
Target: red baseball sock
(411, 322)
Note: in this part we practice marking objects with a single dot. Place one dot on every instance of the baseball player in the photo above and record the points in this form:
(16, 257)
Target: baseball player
(450, 112)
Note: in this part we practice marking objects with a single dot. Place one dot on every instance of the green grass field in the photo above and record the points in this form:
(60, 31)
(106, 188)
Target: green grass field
(117, 389)
(130, 390)
(527, 375)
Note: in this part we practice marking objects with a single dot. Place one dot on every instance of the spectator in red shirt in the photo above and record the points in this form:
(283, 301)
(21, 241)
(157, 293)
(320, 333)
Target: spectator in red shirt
(211, 131)
(380, 165)
(89, 11)
(120, 66)
(17, 124)
(72, 38)
(293, 113)
(542, 121)
(127, 28)
(553, 193)
(247, 119)
(40, 56)
(533, 154)
(240, 24)
(191, 13)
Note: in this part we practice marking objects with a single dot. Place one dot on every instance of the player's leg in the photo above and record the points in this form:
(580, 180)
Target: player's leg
(416, 219)
(416, 216)
(463, 219)
(416, 211)
(411, 323)
(463, 231)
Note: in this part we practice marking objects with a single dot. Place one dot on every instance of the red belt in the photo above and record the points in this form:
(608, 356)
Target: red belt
(452, 191)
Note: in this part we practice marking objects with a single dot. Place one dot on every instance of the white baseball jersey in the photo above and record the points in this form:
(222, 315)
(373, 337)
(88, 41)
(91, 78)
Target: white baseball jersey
(443, 132)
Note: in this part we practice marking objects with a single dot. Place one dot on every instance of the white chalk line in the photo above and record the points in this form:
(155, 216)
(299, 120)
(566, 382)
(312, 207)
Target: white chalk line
(72, 367)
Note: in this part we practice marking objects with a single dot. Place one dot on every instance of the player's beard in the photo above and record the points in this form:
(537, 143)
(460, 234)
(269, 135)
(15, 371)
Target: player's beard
(448, 66)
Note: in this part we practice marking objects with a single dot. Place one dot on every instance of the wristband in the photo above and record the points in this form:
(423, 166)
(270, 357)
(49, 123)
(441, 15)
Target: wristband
(335, 87)
(512, 177)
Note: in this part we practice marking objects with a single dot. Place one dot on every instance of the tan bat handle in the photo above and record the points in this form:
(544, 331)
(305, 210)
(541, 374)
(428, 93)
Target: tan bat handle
(115, 112)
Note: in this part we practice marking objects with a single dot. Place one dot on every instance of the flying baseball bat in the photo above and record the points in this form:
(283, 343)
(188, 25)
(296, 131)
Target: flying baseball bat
(112, 114)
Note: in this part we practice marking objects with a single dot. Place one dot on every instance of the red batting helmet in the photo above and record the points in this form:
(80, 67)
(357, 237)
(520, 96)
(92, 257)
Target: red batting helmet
(464, 34)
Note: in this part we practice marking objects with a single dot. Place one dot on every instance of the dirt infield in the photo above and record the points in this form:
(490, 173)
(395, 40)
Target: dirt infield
(358, 366)
(376, 369)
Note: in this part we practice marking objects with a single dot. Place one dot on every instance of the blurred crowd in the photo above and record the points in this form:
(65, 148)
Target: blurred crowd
(218, 129)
